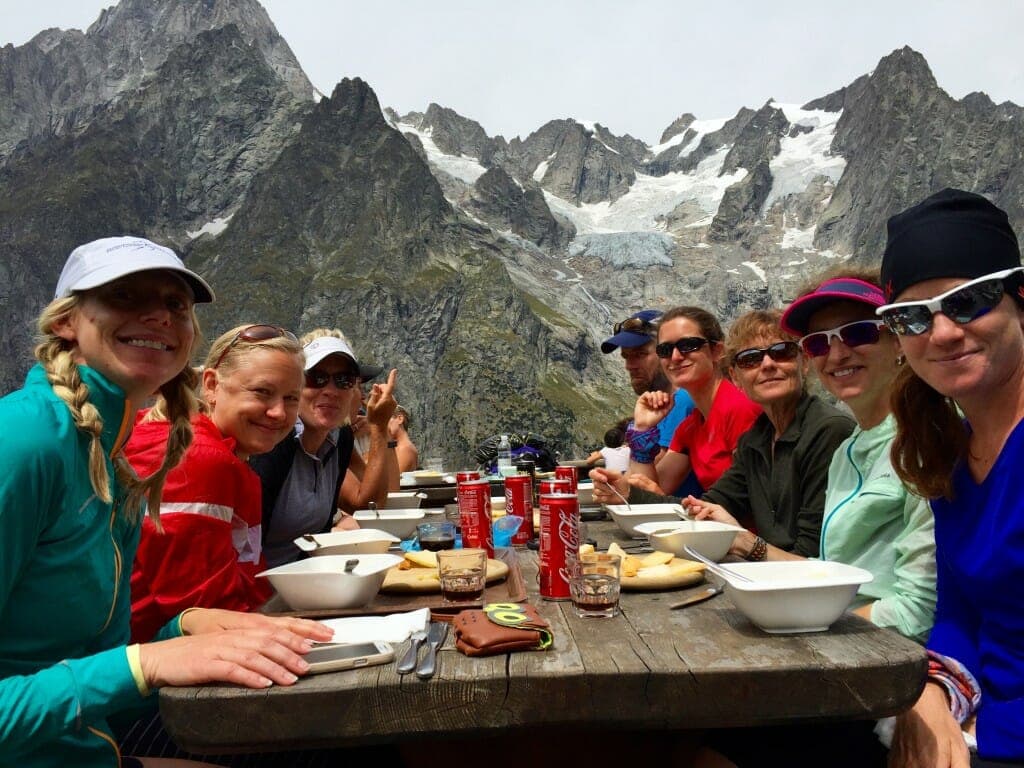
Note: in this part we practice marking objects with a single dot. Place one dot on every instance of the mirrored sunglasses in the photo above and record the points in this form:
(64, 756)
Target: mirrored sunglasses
(781, 351)
(254, 334)
(635, 325)
(318, 379)
(962, 304)
(684, 346)
(853, 334)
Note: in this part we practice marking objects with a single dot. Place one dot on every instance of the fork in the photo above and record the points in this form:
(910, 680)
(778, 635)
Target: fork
(615, 490)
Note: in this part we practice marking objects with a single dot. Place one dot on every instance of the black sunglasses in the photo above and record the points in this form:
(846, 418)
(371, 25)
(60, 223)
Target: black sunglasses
(853, 334)
(780, 351)
(318, 379)
(685, 345)
(962, 304)
(255, 334)
(635, 325)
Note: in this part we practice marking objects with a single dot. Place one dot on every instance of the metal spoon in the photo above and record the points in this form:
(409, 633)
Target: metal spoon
(351, 564)
(726, 573)
(372, 506)
(616, 492)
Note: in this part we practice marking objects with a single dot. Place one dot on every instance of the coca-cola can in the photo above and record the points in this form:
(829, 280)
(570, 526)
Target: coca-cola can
(559, 543)
(553, 485)
(466, 474)
(567, 473)
(475, 514)
(519, 502)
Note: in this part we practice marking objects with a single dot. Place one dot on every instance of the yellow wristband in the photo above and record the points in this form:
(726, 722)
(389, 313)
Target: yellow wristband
(181, 618)
(135, 665)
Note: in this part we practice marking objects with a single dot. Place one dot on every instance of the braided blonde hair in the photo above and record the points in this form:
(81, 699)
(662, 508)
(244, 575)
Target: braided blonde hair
(57, 357)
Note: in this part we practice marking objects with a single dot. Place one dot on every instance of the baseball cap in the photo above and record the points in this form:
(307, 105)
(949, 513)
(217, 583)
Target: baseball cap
(797, 316)
(369, 372)
(104, 260)
(324, 346)
(635, 331)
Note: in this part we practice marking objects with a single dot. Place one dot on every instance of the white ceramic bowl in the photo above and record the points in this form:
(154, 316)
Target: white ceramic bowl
(365, 541)
(794, 595)
(709, 537)
(585, 491)
(398, 522)
(630, 517)
(319, 583)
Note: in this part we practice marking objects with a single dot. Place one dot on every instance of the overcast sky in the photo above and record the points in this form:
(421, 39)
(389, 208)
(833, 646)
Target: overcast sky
(632, 65)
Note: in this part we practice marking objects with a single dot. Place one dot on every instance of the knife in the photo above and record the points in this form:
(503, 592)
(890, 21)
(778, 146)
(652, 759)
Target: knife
(700, 597)
(436, 634)
(408, 662)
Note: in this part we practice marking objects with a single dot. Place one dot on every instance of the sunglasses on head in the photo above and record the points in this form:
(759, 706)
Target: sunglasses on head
(962, 304)
(255, 334)
(684, 346)
(318, 379)
(780, 351)
(635, 325)
(853, 334)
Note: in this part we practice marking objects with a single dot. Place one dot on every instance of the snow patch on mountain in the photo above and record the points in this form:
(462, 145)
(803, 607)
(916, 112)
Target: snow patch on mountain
(542, 167)
(805, 156)
(462, 167)
(214, 228)
(702, 127)
(754, 267)
(625, 249)
(798, 238)
(643, 208)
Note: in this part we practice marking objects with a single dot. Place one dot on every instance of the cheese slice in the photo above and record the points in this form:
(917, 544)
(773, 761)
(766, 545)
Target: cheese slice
(656, 558)
(422, 559)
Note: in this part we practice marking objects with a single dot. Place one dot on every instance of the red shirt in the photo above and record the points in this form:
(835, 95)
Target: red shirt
(209, 552)
(710, 442)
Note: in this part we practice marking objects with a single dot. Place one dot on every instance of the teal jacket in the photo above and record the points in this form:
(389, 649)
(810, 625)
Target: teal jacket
(65, 566)
(873, 522)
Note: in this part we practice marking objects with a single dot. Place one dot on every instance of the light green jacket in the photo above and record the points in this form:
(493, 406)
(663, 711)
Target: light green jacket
(873, 522)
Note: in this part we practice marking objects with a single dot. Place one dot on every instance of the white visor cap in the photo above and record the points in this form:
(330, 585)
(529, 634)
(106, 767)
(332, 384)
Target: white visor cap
(101, 261)
(324, 346)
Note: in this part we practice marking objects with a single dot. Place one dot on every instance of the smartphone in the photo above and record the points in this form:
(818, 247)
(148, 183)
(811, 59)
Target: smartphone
(334, 657)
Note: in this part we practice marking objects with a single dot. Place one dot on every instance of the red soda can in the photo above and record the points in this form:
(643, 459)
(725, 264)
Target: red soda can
(466, 474)
(567, 473)
(475, 514)
(559, 543)
(553, 485)
(519, 502)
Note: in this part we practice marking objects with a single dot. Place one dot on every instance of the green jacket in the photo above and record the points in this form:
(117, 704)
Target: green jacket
(65, 567)
(873, 522)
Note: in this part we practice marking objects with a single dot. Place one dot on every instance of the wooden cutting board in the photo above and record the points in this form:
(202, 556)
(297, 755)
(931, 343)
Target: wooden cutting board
(426, 580)
(684, 573)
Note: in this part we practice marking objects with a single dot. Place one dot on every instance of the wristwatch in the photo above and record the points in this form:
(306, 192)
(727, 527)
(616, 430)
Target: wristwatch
(392, 443)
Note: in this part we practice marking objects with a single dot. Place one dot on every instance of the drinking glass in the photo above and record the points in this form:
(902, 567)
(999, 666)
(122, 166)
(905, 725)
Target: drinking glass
(436, 536)
(433, 464)
(594, 585)
(463, 574)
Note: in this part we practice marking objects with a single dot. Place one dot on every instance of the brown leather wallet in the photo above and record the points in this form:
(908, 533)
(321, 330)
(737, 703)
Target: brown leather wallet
(477, 635)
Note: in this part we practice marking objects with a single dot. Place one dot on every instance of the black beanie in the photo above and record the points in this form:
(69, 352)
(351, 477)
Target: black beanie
(950, 234)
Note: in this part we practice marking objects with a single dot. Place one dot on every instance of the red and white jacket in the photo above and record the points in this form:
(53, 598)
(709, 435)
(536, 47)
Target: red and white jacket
(209, 552)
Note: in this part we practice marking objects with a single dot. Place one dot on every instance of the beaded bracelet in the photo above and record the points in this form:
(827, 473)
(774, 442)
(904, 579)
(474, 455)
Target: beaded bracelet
(759, 551)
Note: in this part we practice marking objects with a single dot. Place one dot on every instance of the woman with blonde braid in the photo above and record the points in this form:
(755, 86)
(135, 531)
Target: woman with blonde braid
(120, 328)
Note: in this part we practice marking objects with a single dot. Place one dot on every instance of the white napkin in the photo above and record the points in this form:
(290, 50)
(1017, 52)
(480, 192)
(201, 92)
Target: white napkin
(394, 628)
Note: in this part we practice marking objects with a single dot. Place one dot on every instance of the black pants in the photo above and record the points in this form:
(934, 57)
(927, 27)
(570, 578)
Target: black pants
(147, 738)
(837, 745)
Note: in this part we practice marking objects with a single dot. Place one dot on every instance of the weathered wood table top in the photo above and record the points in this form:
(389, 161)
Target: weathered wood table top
(649, 668)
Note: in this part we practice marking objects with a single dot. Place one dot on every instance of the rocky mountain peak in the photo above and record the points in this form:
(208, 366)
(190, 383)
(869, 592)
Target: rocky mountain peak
(51, 84)
(677, 126)
(457, 135)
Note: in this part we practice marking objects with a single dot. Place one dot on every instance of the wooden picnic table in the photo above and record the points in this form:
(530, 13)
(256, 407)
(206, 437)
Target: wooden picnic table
(649, 668)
